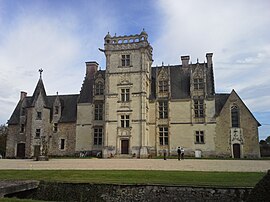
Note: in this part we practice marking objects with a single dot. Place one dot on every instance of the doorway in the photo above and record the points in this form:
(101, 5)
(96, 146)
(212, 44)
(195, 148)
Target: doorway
(21, 150)
(236, 151)
(36, 150)
(124, 146)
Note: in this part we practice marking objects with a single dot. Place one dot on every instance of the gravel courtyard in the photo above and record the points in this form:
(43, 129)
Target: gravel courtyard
(138, 164)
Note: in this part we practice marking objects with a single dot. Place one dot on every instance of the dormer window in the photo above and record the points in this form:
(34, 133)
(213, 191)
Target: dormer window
(56, 110)
(99, 88)
(39, 115)
(125, 60)
(198, 84)
(163, 86)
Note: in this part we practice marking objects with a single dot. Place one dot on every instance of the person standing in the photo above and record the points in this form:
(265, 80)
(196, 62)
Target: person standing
(179, 153)
(182, 153)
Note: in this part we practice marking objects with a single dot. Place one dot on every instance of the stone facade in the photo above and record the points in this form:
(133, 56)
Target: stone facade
(133, 109)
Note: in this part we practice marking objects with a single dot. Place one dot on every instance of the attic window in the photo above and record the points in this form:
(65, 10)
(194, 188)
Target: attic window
(56, 110)
(198, 84)
(163, 86)
(39, 115)
(99, 90)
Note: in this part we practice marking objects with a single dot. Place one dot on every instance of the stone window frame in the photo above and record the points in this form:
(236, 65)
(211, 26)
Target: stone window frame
(125, 60)
(199, 137)
(235, 116)
(163, 135)
(99, 88)
(56, 110)
(22, 128)
(163, 109)
(62, 144)
(39, 115)
(98, 109)
(199, 111)
(163, 86)
(98, 136)
(38, 133)
(125, 94)
(55, 127)
(198, 83)
(125, 121)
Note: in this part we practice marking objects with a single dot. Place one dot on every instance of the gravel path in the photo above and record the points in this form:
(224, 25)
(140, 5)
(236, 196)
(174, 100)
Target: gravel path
(138, 164)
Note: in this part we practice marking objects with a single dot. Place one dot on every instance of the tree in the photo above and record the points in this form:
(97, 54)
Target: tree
(3, 139)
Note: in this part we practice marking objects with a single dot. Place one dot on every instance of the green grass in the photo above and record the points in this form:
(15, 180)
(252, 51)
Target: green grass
(191, 178)
(18, 200)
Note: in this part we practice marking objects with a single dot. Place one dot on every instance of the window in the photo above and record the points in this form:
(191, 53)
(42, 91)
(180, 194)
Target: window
(125, 95)
(235, 117)
(163, 86)
(125, 121)
(55, 127)
(199, 137)
(23, 111)
(39, 115)
(98, 133)
(56, 110)
(38, 133)
(198, 108)
(98, 111)
(99, 90)
(163, 136)
(198, 84)
(62, 144)
(125, 60)
(22, 128)
(163, 109)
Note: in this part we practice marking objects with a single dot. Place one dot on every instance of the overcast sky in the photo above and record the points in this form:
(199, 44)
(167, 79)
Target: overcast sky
(61, 35)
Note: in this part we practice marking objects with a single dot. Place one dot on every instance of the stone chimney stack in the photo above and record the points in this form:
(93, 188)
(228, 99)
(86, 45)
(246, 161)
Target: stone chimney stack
(23, 95)
(185, 60)
(91, 67)
(209, 59)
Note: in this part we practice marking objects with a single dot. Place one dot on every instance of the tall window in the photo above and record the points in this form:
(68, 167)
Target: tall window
(199, 137)
(56, 110)
(98, 133)
(163, 109)
(125, 60)
(125, 95)
(163, 86)
(55, 127)
(125, 121)
(198, 84)
(163, 136)
(22, 128)
(99, 111)
(198, 108)
(235, 117)
(39, 115)
(99, 90)
(38, 133)
(62, 144)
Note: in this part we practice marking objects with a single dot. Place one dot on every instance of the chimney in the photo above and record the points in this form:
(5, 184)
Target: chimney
(185, 60)
(23, 95)
(91, 67)
(209, 59)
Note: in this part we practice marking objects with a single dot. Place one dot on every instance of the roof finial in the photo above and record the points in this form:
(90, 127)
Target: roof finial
(40, 72)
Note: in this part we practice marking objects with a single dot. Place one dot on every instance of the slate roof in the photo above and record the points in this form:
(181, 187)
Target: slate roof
(220, 100)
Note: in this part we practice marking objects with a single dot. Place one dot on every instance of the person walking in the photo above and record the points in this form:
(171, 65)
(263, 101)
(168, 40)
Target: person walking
(179, 153)
(182, 153)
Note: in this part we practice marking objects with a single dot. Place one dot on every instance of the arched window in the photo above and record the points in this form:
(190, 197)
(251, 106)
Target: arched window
(99, 90)
(235, 117)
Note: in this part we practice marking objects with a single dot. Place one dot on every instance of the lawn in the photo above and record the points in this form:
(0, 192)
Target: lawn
(183, 178)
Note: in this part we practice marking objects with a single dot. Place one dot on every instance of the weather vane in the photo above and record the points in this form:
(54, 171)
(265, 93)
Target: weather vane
(40, 72)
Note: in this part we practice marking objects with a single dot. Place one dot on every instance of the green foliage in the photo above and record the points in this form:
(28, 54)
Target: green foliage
(218, 179)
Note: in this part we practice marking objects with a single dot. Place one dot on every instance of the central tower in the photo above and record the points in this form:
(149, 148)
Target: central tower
(127, 90)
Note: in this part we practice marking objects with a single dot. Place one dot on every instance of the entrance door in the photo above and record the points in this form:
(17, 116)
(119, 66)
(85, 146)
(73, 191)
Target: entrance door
(21, 150)
(236, 151)
(124, 146)
(36, 150)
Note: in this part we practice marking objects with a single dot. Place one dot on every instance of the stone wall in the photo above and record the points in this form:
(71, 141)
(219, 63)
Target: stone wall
(53, 191)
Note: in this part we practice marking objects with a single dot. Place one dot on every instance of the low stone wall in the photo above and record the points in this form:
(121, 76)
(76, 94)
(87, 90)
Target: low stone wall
(52, 191)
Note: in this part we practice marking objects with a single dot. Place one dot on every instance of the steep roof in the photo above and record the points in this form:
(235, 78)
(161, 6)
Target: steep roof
(220, 100)
(39, 89)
